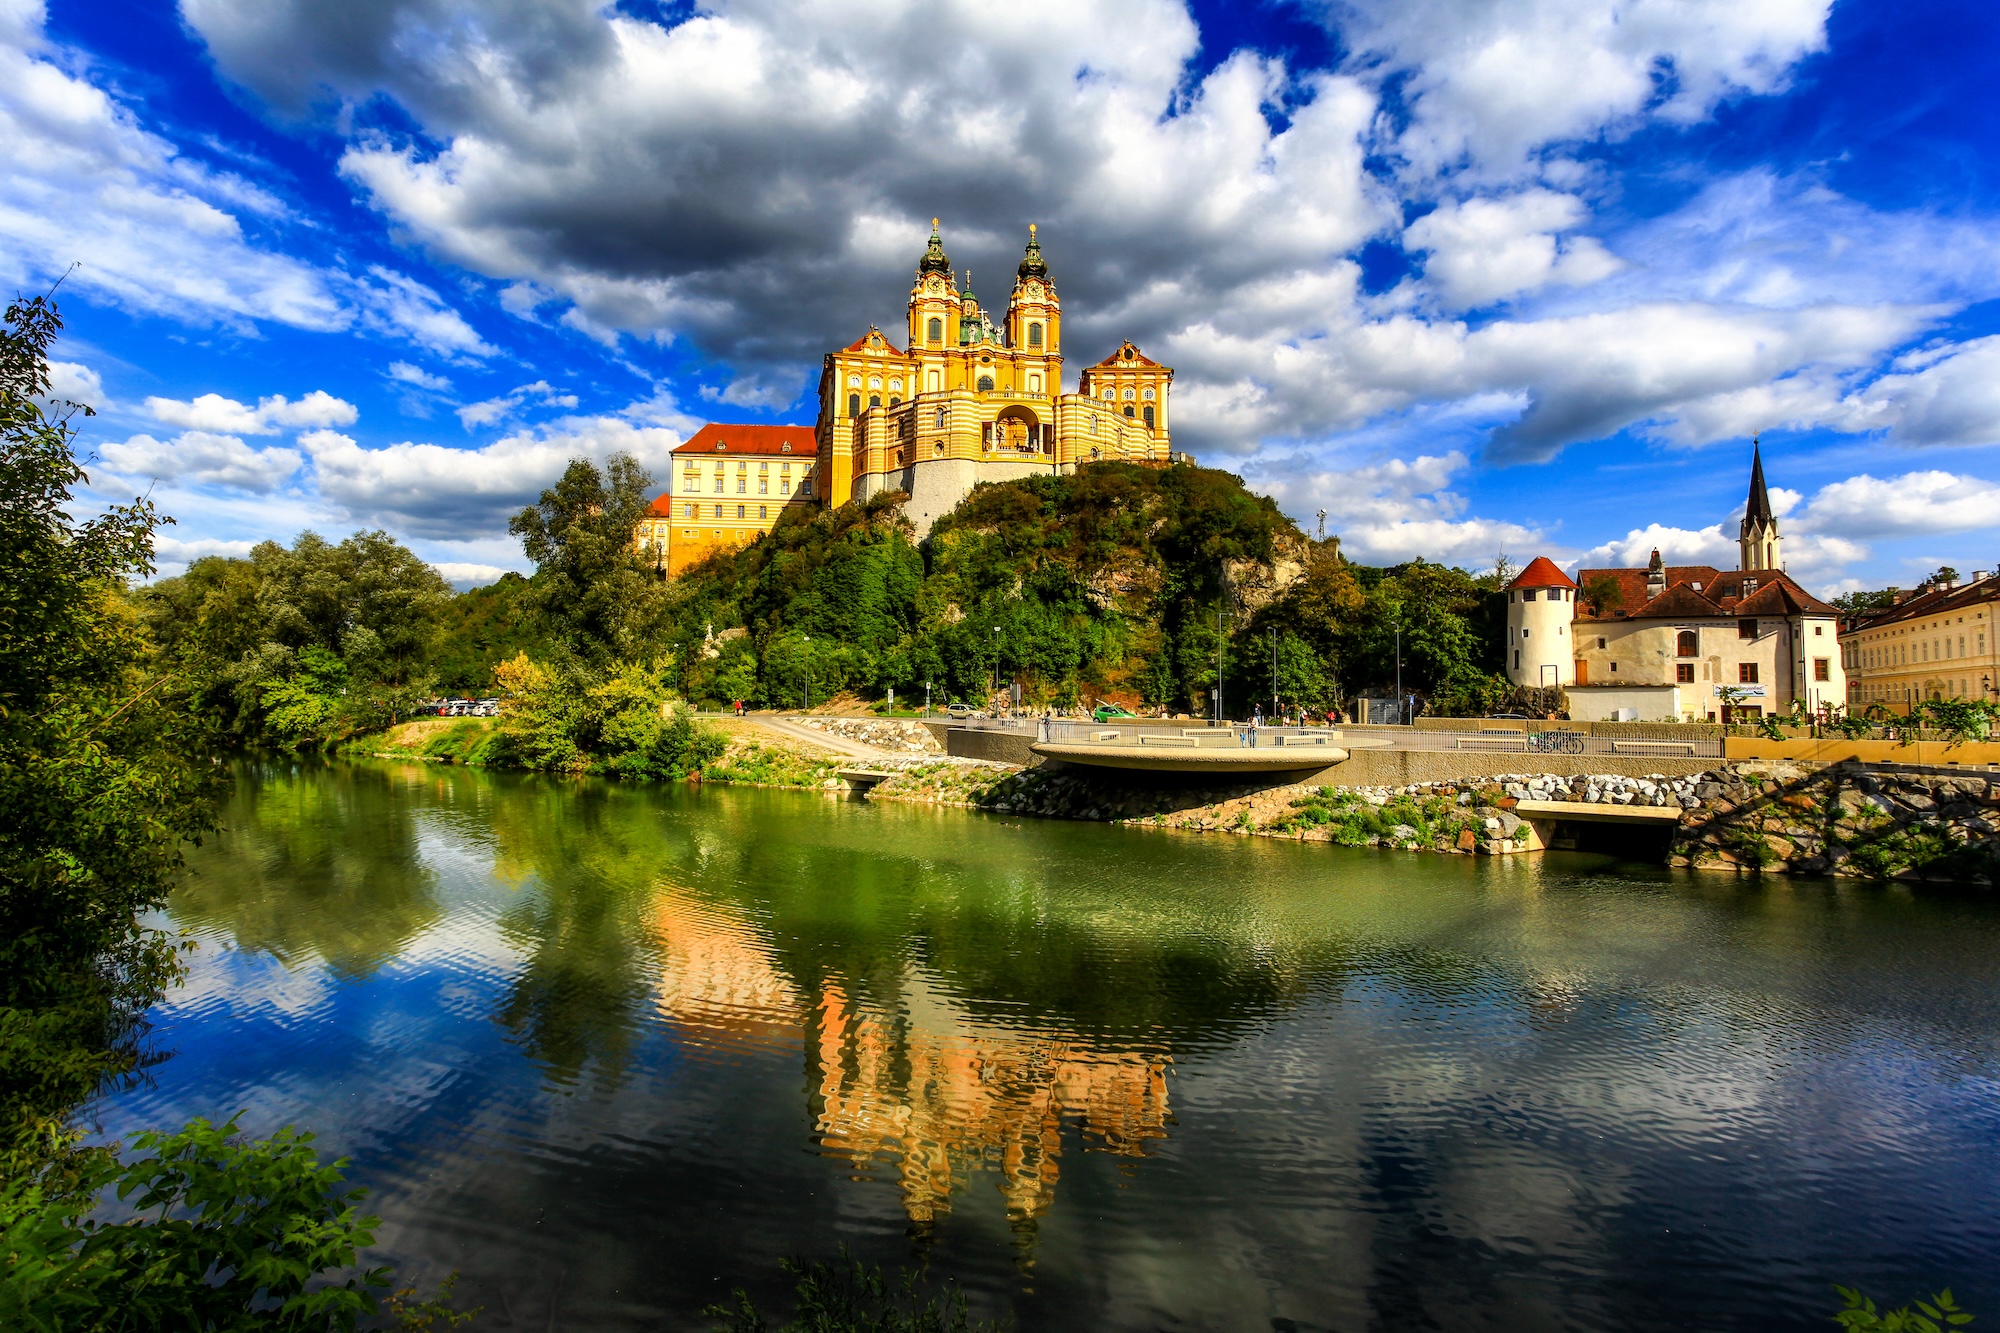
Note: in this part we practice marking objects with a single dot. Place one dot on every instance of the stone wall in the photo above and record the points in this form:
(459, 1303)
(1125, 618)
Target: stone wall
(1845, 819)
(1400, 768)
(899, 737)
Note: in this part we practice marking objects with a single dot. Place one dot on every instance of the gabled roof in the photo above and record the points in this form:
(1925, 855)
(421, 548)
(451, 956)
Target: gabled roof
(721, 438)
(1931, 602)
(1118, 358)
(1541, 573)
(1680, 601)
(872, 341)
(1701, 590)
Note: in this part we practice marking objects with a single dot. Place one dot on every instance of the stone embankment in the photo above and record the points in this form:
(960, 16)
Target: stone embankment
(912, 738)
(1845, 819)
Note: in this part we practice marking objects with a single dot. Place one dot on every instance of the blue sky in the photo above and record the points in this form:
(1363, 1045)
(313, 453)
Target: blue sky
(1474, 277)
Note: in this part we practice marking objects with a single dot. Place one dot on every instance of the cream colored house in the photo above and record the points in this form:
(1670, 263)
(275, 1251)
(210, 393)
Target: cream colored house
(1682, 642)
(1938, 643)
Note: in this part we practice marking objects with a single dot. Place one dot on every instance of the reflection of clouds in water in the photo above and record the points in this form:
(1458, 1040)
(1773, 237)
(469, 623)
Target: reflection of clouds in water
(245, 984)
(924, 1085)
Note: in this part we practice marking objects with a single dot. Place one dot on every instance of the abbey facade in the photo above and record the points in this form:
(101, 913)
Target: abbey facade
(964, 400)
(967, 400)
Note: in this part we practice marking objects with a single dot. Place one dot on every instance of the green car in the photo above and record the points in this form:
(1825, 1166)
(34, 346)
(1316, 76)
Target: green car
(1109, 713)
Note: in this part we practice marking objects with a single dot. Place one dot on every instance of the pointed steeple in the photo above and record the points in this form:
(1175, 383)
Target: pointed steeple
(1032, 264)
(1758, 509)
(934, 260)
(1758, 538)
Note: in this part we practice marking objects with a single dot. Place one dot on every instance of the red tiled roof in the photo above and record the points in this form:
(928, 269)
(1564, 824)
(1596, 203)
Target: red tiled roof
(662, 506)
(1541, 573)
(1720, 592)
(721, 438)
(1931, 600)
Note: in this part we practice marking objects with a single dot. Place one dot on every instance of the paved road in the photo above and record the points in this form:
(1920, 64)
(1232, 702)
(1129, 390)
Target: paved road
(796, 731)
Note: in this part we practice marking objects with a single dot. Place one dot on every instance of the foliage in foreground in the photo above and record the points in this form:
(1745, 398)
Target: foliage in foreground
(847, 1296)
(105, 776)
(103, 772)
(1936, 1315)
(219, 1229)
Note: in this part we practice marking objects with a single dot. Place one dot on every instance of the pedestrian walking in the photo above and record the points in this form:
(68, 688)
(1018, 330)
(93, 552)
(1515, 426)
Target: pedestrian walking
(1256, 721)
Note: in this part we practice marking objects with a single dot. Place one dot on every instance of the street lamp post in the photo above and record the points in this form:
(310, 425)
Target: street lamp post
(996, 659)
(1220, 642)
(927, 698)
(809, 672)
(1274, 672)
(1399, 672)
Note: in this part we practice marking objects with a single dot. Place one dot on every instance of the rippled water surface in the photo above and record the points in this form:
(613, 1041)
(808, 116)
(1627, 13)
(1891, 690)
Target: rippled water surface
(612, 1051)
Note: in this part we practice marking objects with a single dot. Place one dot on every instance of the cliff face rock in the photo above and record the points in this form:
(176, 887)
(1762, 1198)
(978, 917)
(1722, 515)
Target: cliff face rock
(1845, 820)
(898, 737)
(1254, 584)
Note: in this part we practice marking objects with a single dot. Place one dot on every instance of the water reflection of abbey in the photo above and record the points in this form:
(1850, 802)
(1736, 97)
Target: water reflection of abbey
(926, 1088)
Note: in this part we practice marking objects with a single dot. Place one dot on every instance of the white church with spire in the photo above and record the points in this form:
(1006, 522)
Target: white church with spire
(1681, 643)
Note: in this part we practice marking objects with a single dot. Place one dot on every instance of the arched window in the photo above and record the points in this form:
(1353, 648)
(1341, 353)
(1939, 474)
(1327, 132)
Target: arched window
(934, 331)
(1109, 394)
(1034, 335)
(1128, 409)
(940, 419)
(874, 381)
(1149, 416)
(1687, 644)
(1148, 395)
(894, 399)
(854, 404)
(1128, 395)
(986, 384)
(874, 400)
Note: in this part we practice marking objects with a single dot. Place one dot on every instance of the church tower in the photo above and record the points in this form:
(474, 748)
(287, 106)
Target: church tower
(1758, 539)
(933, 300)
(1034, 315)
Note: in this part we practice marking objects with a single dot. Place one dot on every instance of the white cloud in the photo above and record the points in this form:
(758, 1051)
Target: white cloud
(1397, 509)
(1484, 250)
(402, 372)
(202, 458)
(507, 404)
(157, 231)
(463, 574)
(213, 412)
(173, 549)
(401, 306)
(1913, 504)
(1942, 395)
(73, 382)
(1490, 84)
(1677, 546)
(428, 490)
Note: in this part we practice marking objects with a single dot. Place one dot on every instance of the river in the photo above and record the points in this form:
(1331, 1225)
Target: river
(611, 1051)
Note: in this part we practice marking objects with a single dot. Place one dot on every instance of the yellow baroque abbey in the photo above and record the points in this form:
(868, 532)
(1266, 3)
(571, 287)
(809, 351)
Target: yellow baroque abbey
(965, 401)
(970, 400)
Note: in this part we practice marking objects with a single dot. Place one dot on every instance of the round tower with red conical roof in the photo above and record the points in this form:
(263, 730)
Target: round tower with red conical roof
(1541, 603)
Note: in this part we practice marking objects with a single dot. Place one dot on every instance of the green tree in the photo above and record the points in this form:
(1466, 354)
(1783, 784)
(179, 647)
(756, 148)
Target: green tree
(103, 772)
(593, 594)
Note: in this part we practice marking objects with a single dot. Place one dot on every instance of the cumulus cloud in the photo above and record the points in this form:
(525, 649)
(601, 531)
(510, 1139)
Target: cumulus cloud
(1489, 85)
(213, 412)
(431, 491)
(1397, 509)
(1942, 395)
(156, 231)
(71, 381)
(202, 458)
(464, 574)
(1484, 250)
(1912, 504)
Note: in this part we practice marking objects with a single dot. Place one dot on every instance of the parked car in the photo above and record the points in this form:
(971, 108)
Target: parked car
(961, 710)
(1110, 713)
